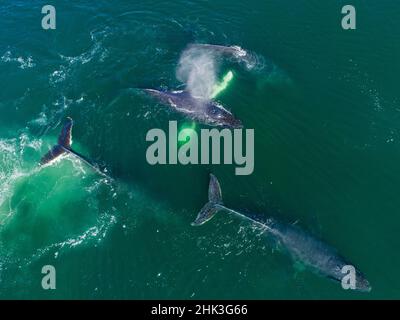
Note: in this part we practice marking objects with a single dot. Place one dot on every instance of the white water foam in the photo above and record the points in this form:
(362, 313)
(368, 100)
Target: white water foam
(24, 62)
(96, 51)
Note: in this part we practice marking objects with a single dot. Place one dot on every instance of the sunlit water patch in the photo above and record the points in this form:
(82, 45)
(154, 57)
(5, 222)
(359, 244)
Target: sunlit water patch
(51, 207)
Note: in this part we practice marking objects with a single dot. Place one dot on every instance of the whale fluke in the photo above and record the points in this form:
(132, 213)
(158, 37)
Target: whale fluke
(214, 190)
(65, 137)
(64, 143)
(213, 205)
(64, 147)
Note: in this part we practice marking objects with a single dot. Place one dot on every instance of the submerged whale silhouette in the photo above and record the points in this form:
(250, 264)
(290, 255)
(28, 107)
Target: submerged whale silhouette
(202, 110)
(235, 52)
(320, 257)
(63, 147)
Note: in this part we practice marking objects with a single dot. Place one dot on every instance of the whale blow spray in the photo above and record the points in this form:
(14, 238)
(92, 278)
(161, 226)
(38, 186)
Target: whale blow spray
(197, 68)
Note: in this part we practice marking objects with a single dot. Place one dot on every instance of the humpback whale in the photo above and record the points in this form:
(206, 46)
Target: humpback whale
(319, 256)
(202, 110)
(63, 147)
(235, 52)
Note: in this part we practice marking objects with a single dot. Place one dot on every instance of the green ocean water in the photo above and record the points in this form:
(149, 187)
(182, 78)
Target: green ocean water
(324, 105)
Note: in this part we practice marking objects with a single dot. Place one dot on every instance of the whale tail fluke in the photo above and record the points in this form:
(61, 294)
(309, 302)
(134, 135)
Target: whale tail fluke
(63, 147)
(65, 137)
(213, 205)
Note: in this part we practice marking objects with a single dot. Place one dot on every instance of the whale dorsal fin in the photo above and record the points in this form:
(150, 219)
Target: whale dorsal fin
(65, 137)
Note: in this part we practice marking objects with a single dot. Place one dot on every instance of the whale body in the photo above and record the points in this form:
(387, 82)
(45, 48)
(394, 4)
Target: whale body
(232, 52)
(314, 253)
(198, 109)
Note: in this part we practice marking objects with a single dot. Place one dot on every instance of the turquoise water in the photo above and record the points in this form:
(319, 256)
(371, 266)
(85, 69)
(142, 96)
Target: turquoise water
(324, 105)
